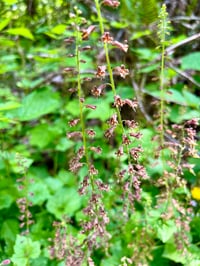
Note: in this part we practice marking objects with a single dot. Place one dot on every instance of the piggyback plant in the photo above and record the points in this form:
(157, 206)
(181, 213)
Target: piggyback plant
(116, 190)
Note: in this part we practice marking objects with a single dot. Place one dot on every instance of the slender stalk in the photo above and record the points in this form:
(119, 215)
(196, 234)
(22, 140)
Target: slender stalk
(80, 96)
(162, 78)
(108, 62)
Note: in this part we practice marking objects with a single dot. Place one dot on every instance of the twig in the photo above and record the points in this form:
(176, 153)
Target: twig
(140, 101)
(184, 74)
(185, 18)
(171, 48)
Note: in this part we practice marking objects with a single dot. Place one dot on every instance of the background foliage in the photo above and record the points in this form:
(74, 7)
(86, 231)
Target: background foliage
(36, 105)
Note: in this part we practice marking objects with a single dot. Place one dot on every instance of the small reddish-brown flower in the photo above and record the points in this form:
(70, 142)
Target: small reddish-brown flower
(122, 173)
(73, 122)
(96, 149)
(122, 71)
(106, 38)
(125, 140)
(93, 170)
(75, 165)
(90, 106)
(137, 135)
(69, 40)
(130, 169)
(101, 72)
(109, 132)
(132, 104)
(118, 101)
(111, 3)
(86, 32)
(97, 91)
(91, 133)
(80, 152)
(85, 48)
(72, 90)
(130, 123)
(120, 151)
(68, 69)
(135, 152)
(101, 186)
(75, 134)
(113, 120)
(121, 46)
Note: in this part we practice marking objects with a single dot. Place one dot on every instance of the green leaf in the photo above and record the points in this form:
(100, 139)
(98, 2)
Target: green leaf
(9, 106)
(191, 99)
(9, 229)
(24, 32)
(64, 144)
(173, 254)
(35, 188)
(42, 135)
(17, 165)
(59, 29)
(191, 61)
(139, 34)
(5, 199)
(4, 23)
(38, 103)
(166, 231)
(53, 184)
(102, 111)
(194, 262)
(64, 202)
(24, 250)
(10, 2)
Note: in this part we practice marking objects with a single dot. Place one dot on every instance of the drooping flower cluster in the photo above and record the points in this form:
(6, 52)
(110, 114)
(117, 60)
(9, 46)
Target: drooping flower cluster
(23, 202)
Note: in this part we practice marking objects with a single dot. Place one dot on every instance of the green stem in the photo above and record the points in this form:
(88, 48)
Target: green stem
(108, 62)
(78, 39)
(162, 95)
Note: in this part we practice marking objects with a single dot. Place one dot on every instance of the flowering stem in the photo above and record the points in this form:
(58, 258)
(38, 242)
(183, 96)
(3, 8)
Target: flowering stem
(162, 95)
(108, 62)
(78, 40)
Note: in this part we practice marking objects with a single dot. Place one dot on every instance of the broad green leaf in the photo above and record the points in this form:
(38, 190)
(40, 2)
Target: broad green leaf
(64, 144)
(149, 68)
(24, 32)
(38, 103)
(42, 135)
(110, 261)
(66, 201)
(59, 29)
(4, 23)
(191, 99)
(5, 199)
(35, 188)
(10, 2)
(9, 229)
(191, 61)
(53, 184)
(166, 231)
(102, 111)
(17, 165)
(194, 262)
(145, 53)
(139, 34)
(173, 254)
(8, 106)
(24, 250)
(73, 107)
(6, 42)
(177, 115)
(66, 177)
(40, 261)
